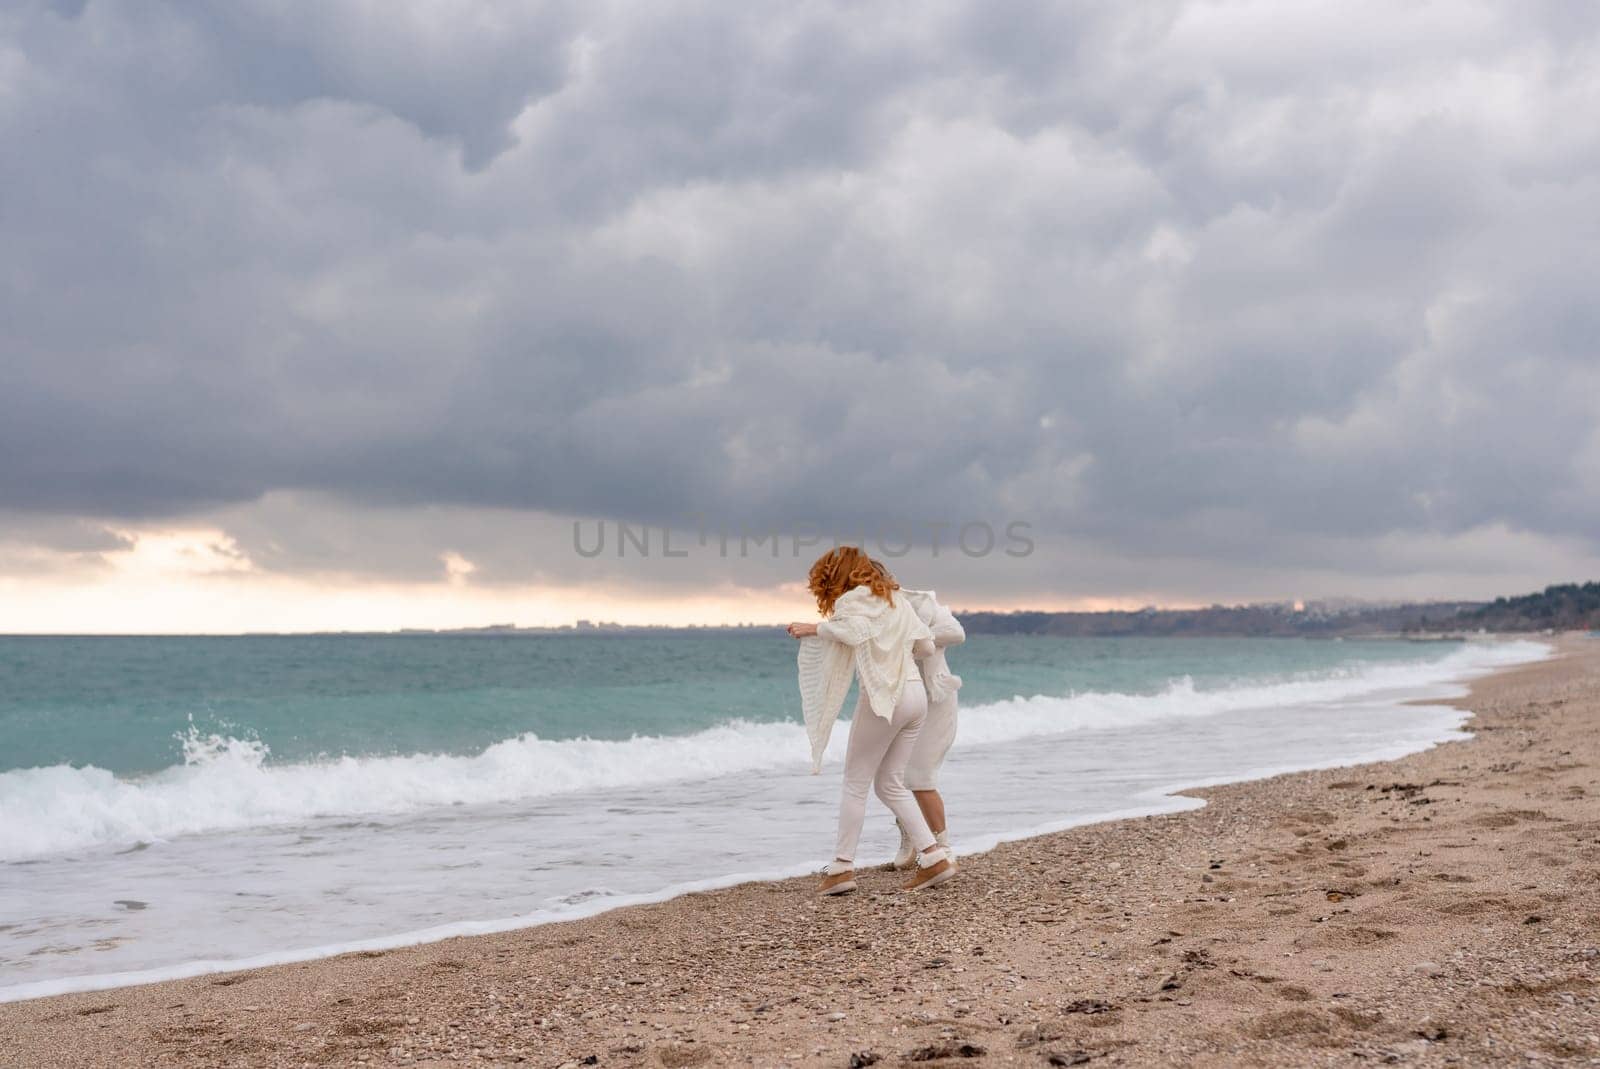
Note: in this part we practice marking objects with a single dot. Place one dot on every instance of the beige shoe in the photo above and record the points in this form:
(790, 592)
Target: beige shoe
(933, 868)
(837, 883)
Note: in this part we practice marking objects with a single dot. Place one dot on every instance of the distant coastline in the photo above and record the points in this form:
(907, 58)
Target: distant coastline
(1564, 607)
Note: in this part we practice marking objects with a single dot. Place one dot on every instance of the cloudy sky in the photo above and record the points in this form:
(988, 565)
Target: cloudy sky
(343, 313)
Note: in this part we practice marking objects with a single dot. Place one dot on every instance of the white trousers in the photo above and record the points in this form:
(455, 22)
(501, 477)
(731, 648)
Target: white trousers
(933, 744)
(876, 757)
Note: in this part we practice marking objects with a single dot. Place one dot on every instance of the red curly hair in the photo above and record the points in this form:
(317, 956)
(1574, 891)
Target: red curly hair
(842, 569)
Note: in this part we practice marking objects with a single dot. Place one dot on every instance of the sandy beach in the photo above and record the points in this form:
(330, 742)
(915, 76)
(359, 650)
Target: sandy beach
(1443, 909)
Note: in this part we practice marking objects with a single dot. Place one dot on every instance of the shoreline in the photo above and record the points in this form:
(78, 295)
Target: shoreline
(1175, 796)
(1035, 924)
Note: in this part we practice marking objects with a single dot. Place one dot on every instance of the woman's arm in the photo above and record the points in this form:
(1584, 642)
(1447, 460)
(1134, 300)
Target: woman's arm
(845, 632)
(844, 629)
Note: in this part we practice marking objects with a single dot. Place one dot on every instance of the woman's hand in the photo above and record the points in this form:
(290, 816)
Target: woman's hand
(802, 630)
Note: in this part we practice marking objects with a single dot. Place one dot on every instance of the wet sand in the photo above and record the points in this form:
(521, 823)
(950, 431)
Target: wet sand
(1443, 909)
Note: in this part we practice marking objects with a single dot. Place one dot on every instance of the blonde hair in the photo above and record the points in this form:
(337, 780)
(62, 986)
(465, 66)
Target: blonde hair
(843, 569)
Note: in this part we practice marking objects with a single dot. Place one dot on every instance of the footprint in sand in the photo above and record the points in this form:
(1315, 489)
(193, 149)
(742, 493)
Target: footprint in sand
(1494, 820)
(1352, 938)
(1288, 1023)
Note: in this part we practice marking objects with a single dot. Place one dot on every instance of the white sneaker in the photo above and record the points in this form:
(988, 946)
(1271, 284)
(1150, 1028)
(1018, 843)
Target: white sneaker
(906, 856)
(943, 839)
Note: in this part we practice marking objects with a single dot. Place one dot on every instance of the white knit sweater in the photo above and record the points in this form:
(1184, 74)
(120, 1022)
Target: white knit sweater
(947, 631)
(880, 641)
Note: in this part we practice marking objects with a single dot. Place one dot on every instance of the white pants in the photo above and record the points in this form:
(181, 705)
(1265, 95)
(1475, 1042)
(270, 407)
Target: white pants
(933, 743)
(876, 757)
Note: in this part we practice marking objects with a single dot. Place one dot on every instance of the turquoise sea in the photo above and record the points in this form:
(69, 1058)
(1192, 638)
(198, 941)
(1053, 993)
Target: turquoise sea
(274, 797)
(128, 705)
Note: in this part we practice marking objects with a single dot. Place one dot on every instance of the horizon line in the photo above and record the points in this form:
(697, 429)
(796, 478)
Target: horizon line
(602, 626)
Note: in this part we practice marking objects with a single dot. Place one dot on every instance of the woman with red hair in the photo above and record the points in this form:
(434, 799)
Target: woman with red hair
(868, 632)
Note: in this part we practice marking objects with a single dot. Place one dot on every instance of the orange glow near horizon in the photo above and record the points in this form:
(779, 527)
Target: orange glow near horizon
(243, 604)
(197, 581)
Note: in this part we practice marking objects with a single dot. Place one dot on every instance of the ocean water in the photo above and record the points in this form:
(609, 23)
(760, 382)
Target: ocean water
(170, 806)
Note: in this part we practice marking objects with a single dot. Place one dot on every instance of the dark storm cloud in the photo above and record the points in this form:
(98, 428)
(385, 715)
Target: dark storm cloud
(1170, 279)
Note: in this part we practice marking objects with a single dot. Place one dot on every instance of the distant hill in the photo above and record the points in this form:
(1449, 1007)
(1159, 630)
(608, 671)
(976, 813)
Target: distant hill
(1241, 621)
(1566, 607)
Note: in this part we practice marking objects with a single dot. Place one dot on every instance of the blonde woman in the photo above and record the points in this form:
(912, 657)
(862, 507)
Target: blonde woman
(869, 632)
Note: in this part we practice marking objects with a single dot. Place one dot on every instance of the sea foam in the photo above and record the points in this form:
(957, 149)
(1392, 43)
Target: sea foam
(229, 784)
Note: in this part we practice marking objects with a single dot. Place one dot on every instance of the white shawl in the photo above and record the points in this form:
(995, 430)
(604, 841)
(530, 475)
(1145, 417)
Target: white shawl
(870, 635)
